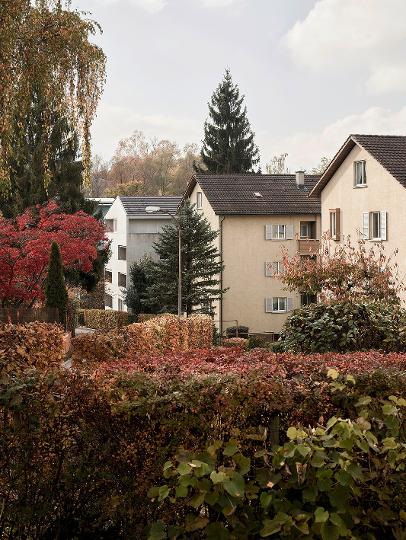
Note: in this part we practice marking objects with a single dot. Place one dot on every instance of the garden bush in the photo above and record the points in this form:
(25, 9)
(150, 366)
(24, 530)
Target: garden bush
(235, 342)
(345, 326)
(80, 449)
(103, 319)
(32, 345)
(345, 479)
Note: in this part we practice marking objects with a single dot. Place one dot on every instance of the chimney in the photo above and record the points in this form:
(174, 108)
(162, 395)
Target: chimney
(300, 177)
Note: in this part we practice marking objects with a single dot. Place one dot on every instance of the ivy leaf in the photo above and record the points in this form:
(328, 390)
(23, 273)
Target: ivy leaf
(235, 486)
(157, 531)
(321, 515)
(231, 448)
(292, 433)
(329, 531)
(217, 531)
(218, 477)
(163, 492)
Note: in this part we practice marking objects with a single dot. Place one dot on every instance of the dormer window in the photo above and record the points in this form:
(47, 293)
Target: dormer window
(258, 195)
(360, 177)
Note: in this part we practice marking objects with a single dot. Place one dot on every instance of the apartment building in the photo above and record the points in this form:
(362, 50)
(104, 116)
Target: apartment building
(258, 216)
(363, 193)
(132, 232)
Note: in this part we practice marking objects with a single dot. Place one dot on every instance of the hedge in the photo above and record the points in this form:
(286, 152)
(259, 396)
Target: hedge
(36, 344)
(79, 452)
(166, 333)
(103, 319)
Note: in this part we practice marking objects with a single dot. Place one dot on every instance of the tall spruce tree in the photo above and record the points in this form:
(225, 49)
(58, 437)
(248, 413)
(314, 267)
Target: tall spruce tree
(228, 145)
(201, 265)
(26, 163)
(141, 273)
(56, 295)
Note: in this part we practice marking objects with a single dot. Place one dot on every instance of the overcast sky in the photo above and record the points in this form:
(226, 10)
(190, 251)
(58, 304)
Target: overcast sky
(312, 71)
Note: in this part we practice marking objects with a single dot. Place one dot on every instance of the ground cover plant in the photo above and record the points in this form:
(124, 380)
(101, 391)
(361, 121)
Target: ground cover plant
(80, 449)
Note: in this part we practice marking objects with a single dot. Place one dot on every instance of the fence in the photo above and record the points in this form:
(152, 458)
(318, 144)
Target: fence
(26, 315)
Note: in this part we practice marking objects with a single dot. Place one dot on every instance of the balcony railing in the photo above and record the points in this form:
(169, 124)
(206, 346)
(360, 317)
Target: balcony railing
(308, 246)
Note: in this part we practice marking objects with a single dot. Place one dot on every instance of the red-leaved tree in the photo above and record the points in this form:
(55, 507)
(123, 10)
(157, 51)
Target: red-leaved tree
(25, 243)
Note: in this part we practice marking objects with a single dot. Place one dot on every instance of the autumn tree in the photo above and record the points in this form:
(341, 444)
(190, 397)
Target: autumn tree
(25, 244)
(277, 165)
(228, 144)
(201, 265)
(322, 166)
(45, 47)
(56, 294)
(345, 272)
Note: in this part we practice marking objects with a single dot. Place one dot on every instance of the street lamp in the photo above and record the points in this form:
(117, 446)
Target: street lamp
(157, 210)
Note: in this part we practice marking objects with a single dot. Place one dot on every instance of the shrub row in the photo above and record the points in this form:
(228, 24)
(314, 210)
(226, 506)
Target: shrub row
(103, 319)
(160, 334)
(79, 453)
(34, 344)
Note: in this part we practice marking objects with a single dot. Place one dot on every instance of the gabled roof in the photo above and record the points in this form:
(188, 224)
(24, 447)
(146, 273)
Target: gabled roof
(388, 150)
(135, 206)
(257, 194)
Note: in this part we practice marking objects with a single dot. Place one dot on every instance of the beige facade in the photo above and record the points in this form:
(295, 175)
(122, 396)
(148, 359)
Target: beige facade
(381, 193)
(250, 253)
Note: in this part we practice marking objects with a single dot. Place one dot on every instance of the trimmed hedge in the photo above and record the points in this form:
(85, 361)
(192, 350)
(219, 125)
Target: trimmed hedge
(79, 453)
(36, 344)
(166, 333)
(103, 319)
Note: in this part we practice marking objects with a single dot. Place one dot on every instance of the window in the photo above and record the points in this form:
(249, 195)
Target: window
(278, 232)
(111, 225)
(307, 299)
(335, 224)
(274, 268)
(305, 230)
(120, 305)
(374, 225)
(278, 304)
(108, 300)
(122, 280)
(108, 276)
(360, 178)
(199, 200)
(122, 253)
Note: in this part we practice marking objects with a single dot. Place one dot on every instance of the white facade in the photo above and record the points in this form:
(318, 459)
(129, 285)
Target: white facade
(132, 238)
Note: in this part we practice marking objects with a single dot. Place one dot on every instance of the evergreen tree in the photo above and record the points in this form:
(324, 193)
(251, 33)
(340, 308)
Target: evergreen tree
(56, 295)
(228, 145)
(27, 172)
(201, 265)
(140, 279)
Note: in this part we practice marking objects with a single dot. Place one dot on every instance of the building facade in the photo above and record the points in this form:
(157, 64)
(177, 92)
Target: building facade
(132, 232)
(259, 218)
(363, 194)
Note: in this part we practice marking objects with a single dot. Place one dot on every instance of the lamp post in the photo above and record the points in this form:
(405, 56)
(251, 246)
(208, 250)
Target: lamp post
(157, 210)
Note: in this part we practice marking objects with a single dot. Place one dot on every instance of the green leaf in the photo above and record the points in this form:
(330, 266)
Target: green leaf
(389, 443)
(332, 374)
(303, 450)
(235, 486)
(292, 433)
(217, 531)
(157, 531)
(167, 465)
(321, 515)
(265, 499)
(333, 420)
(329, 531)
(184, 468)
(163, 493)
(364, 400)
(181, 491)
(231, 448)
(389, 409)
(218, 477)
(343, 477)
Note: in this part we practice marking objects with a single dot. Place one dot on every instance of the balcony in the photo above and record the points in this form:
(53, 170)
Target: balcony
(308, 246)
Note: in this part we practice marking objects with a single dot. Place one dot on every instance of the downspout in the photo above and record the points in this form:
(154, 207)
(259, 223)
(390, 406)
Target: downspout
(221, 275)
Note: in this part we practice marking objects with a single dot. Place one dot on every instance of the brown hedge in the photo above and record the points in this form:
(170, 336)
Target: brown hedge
(103, 319)
(35, 344)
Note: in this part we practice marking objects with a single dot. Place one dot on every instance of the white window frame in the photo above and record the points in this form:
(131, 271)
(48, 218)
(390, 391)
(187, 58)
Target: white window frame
(120, 304)
(274, 268)
(369, 224)
(199, 200)
(333, 224)
(118, 253)
(308, 226)
(360, 180)
(375, 225)
(281, 303)
(113, 223)
(281, 232)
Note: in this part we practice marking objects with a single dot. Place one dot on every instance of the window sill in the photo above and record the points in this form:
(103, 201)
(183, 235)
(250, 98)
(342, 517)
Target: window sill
(360, 186)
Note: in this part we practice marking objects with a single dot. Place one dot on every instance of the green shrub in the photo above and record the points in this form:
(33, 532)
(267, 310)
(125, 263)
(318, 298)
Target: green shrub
(257, 342)
(237, 331)
(346, 479)
(104, 319)
(345, 326)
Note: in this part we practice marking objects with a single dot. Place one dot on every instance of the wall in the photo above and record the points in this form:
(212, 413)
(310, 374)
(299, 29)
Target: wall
(245, 252)
(382, 193)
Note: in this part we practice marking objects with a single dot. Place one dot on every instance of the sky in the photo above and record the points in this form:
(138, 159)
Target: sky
(312, 72)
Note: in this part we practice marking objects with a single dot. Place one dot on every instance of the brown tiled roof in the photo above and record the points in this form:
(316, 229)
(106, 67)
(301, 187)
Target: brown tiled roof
(388, 150)
(234, 194)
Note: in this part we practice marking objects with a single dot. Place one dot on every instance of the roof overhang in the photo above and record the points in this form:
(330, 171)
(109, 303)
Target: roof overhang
(334, 165)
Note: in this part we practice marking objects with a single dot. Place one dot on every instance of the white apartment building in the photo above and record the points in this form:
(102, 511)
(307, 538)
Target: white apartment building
(132, 232)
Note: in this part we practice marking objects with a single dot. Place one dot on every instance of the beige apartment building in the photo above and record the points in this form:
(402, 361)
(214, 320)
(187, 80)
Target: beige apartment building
(363, 193)
(258, 216)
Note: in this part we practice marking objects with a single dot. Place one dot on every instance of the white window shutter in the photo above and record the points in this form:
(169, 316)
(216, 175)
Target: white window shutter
(269, 269)
(268, 232)
(289, 304)
(383, 226)
(365, 225)
(268, 305)
(289, 232)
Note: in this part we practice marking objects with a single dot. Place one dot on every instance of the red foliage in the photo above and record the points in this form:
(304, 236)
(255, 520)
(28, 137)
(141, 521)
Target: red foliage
(25, 243)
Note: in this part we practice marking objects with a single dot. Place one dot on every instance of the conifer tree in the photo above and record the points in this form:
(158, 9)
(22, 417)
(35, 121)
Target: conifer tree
(56, 295)
(140, 279)
(201, 265)
(228, 145)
